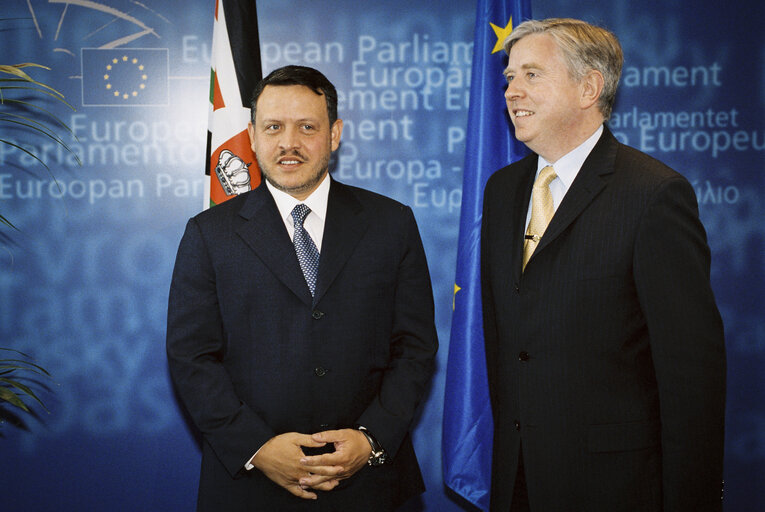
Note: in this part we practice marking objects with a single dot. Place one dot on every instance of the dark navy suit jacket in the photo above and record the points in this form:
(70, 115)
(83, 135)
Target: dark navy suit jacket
(606, 357)
(253, 355)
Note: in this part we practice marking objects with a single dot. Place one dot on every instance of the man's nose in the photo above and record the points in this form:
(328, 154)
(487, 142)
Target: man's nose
(512, 91)
(290, 138)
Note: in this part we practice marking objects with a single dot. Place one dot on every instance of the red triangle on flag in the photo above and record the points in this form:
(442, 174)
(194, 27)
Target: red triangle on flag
(227, 177)
(217, 95)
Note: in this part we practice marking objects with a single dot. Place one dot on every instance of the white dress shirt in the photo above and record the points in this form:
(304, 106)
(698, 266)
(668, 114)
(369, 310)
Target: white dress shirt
(317, 202)
(566, 169)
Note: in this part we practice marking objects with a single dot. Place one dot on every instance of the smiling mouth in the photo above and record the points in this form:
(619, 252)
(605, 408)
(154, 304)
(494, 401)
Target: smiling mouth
(291, 160)
(522, 113)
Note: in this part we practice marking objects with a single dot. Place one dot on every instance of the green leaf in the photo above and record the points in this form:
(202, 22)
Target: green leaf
(9, 396)
(25, 389)
(48, 112)
(55, 94)
(5, 221)
(16, 351)
(22, 365)
(6, 141)
(20, 80)
(41, 128)
(15, 69)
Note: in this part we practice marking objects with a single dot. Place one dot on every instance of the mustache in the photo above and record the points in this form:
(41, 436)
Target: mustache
(293, 152)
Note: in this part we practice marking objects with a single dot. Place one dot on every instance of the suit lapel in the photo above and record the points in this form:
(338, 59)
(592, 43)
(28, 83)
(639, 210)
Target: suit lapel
(588, 183)
(517, 217)
(347, 221)
(265, 233)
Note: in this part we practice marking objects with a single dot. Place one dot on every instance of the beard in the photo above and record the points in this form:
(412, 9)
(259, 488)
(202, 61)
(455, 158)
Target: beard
(309, 180)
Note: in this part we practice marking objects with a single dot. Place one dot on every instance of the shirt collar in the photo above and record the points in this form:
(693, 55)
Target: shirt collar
(567, 166)
(317, 201)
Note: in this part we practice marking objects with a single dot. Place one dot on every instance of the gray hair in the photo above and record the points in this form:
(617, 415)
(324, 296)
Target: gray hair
(584, 47)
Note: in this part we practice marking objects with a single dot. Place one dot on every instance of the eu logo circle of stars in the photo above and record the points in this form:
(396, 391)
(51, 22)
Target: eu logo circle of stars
(128, 72)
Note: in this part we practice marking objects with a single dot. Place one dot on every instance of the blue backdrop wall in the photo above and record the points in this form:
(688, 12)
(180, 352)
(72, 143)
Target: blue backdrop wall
(84, 281)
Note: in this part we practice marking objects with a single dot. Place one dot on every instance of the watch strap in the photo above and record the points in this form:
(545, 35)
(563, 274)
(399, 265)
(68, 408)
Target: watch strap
(378, 455)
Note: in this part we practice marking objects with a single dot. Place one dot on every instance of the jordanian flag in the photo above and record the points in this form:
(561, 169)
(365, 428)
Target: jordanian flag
(235, 64)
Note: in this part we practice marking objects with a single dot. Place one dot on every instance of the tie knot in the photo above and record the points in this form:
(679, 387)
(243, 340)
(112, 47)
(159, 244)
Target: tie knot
(546, 175)
(299, 213)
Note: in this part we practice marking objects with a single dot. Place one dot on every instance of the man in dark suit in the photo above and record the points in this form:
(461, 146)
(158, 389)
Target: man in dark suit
(301, 333)
(605, 348)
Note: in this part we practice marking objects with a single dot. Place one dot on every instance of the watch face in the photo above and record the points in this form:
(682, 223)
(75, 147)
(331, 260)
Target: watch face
(377, 458)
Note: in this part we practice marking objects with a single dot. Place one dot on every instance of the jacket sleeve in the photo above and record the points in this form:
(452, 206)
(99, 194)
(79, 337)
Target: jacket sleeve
(672, 265)
(195, 349)
(413, 346)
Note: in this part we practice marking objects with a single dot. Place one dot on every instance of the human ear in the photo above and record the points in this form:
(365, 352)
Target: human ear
(592, 88)
(251, 133)
(335, 132)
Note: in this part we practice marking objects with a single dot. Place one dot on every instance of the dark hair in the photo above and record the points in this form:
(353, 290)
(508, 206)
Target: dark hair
(299, 75)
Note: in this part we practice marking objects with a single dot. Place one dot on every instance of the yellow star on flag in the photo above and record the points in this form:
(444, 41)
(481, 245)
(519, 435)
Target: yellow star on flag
(501, 34)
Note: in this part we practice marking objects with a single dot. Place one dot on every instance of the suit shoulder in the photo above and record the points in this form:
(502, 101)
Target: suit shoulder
(220, 221)
(646, 166)
(642, 177)
(223, 211)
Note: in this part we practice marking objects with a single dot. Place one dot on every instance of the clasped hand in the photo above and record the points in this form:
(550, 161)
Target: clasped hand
(282, 460)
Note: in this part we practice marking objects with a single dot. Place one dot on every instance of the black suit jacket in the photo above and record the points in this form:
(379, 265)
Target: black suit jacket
(606, 357)
(253, 355)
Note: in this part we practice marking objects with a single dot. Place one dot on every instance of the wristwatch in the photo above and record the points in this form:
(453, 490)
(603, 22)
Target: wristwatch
(378, 456)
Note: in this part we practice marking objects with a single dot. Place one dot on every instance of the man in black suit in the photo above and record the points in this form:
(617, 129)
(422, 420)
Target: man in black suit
(301, 333)
(605, 348)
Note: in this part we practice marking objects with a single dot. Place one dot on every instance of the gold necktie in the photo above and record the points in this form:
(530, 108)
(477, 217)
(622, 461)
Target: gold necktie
(542, 210)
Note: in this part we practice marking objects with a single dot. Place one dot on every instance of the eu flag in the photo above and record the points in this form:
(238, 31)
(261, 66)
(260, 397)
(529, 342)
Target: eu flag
(125, 76)
(468, 425)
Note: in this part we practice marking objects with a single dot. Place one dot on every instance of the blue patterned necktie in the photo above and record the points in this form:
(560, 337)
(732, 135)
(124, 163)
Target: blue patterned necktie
(306, 251)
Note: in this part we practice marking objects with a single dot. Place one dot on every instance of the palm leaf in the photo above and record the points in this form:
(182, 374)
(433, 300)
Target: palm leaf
(24, 389)
(42, 109)
(39, 127)
(9, 396)
(15, 69)
(9, 387)
(5, 369)
(53, 93)
(6, 141)
(8, 223)
(20, 80)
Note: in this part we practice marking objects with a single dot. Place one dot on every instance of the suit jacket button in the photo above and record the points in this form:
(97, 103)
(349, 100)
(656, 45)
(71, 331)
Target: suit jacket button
(319, 371)
(523, 356)
(517, 288)
(317, 314)
(517, 425)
